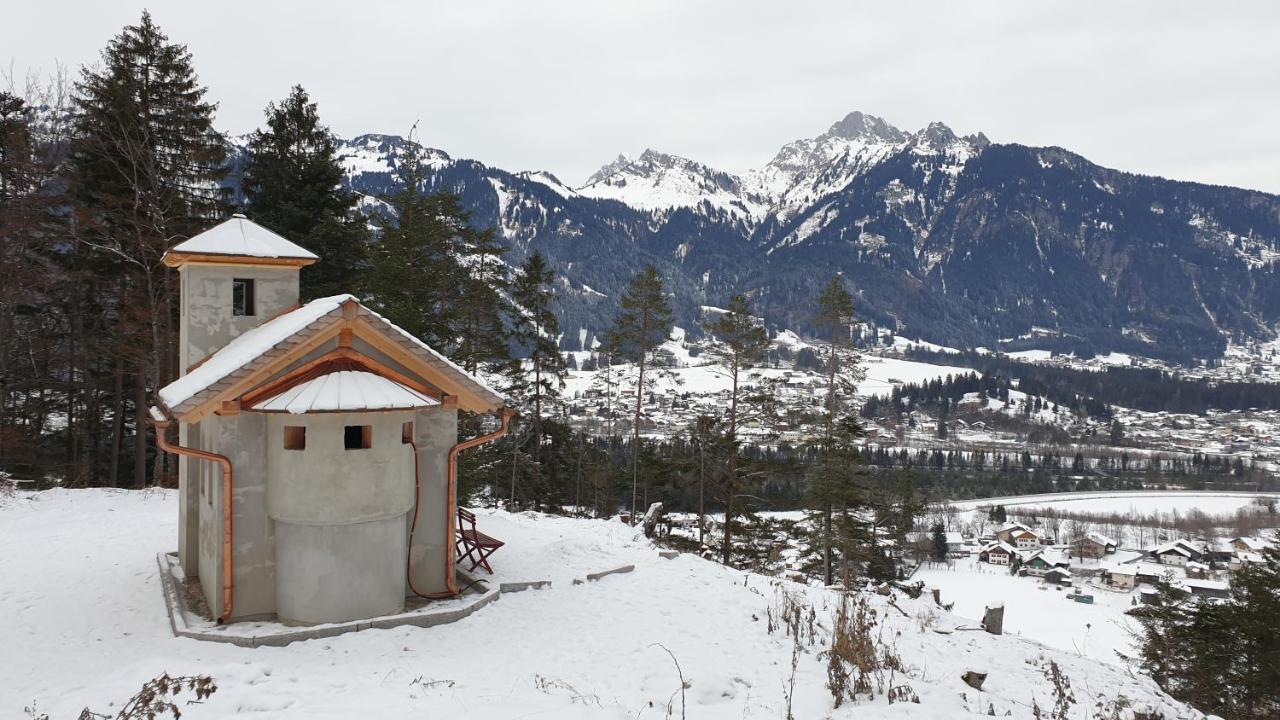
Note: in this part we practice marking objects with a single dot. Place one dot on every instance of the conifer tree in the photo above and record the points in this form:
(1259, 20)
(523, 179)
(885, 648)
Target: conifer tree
(833, 483)
(1222, 657)
(147, 169)
(939, 548)
(535, 328)
(742, 342)
(418, 278)
(643, 324)
(293, 185)
(539, 378)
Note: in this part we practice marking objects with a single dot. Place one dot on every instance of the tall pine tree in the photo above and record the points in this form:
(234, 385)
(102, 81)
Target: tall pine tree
(541, 377)
(643, 324)
(293, 186)
(833, 481)
(147, 167)
(538, 380)
(741, 345)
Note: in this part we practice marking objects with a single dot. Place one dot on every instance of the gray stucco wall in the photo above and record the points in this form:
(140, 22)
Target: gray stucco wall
(243, 439)
(206, 320)
(335, 573)
(435, 432)
(189, 502)
(326, 484)
(339, 516)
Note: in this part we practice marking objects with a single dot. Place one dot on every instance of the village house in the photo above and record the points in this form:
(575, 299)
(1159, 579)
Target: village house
(1041, 561)
(1057, 576)
(997, 553)
(1124, 577)
(1250, 544)
(1018, 535)
(1215, 589)
(1176, 552)
(317, 444)
(1093, 545)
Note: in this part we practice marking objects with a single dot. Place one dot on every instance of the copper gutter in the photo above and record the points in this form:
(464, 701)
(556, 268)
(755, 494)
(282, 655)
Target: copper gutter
(450, 578)
(227, 534)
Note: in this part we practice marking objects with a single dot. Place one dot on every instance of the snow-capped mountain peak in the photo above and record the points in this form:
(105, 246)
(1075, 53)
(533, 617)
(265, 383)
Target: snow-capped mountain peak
(858, 125)
(658, 181)
(806, 170)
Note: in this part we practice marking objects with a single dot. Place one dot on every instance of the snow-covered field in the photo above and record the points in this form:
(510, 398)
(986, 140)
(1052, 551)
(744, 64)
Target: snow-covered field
(1034, 610)
(1140, 502)
(883, 373)
(84, 625)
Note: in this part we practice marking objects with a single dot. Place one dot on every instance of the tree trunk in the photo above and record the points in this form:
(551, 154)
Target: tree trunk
(117, 421)
(702, 485)
(731, 481)
(635, 442)
(140, 425)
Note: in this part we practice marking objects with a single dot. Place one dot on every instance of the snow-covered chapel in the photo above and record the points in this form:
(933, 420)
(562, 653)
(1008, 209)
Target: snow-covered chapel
(317, 443)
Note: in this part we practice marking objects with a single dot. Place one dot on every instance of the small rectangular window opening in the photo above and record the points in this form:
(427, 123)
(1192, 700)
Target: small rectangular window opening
(406, 433)
(242, 297)
(357, 437)
(295, 437)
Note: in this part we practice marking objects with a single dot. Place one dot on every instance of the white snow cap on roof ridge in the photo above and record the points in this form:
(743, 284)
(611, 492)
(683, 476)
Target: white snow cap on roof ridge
(243, 237)
(346, 391)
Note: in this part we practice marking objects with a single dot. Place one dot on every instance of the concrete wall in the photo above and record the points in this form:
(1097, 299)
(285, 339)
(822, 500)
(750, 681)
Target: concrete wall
(326, 484)
(206, 325)
(189, 502)
(206, 320)
(335, 573)
(339, 516)
(431, 553)
(242, 438)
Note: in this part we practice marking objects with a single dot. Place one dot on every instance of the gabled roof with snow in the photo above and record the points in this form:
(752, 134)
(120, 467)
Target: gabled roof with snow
(345, 391)
(1011, 525)
(1100, 539)
(1001, 546)
(241, 237)
(1253, 543)
(1180, 547)
(1050, 557)
(277, 338)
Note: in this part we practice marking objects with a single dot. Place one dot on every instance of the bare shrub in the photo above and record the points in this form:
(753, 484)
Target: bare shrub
(858, 658)
(551, 685)
(157, 698)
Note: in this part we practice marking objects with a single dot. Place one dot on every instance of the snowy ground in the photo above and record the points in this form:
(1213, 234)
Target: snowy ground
(84, 625)
(1035, 610)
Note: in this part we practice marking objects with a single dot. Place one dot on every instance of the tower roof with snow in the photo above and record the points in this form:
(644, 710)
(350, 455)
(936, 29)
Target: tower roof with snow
(239, 240)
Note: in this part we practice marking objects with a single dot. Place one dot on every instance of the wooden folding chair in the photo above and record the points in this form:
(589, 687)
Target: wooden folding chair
(473, 544)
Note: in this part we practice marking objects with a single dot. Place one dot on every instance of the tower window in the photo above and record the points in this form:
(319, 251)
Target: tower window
(295, 437)
(357, 437)
(242, 297)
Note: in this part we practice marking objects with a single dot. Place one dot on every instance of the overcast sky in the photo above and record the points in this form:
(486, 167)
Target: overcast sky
(1184, 90)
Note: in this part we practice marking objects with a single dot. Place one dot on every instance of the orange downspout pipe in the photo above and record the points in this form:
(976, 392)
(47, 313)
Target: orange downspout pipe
(450, 581)
(227, 534)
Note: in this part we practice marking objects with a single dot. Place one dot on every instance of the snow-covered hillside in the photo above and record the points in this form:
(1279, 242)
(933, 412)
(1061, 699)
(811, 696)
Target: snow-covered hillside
(85, 626)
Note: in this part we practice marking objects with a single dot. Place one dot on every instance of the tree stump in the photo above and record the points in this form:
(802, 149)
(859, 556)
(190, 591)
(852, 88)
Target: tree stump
(974, 679)
(937, 596)
(651, 518)
(993, 619)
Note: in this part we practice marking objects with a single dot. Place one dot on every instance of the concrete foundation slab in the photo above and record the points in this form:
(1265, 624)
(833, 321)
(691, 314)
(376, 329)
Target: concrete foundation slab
(181, 595)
